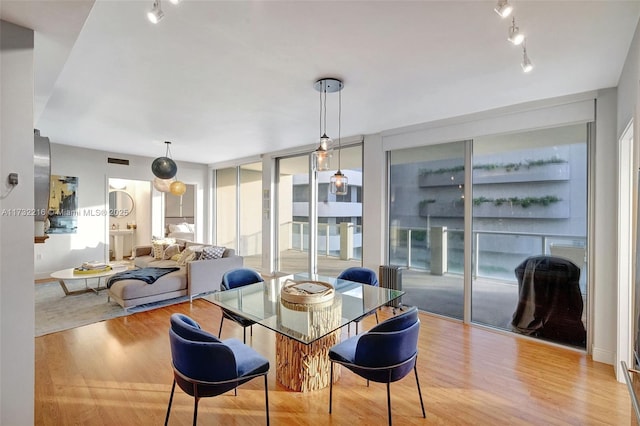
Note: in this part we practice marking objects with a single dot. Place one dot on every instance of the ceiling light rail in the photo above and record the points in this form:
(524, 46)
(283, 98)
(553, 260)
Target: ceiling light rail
(515, 36)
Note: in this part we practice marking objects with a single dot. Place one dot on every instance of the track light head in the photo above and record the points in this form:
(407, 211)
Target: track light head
(515, 36)
(156, 13)
(176, 2)
(527, 65)
(503, 8)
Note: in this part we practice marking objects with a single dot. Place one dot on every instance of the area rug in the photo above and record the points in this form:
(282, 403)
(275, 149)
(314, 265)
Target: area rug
(57, 312)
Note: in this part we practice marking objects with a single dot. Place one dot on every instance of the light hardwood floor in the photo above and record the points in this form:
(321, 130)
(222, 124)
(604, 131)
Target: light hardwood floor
(118, 372)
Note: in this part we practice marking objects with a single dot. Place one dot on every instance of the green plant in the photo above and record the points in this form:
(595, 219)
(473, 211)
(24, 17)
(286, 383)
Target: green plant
(508, 166)
(426, 202)
(517, 201)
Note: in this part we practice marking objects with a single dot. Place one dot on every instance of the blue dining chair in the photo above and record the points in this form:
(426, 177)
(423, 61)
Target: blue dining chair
(384, 354)
(364, 276)
(233, 279)
(204, 366)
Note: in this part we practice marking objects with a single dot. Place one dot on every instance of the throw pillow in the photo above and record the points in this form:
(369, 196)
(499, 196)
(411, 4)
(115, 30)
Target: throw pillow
(187, 256)
(212, 252)
(158, 250)
(176, 257)
(170, 251)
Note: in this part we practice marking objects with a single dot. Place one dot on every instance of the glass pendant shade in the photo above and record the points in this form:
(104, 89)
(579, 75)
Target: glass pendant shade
(178, 188)
(322, 154)
(162, 185)
(338, 184)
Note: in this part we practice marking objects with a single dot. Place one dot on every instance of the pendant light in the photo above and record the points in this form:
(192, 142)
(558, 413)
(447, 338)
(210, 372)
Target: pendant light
(322, 154)
(164, 167)
(338, 184)
(163, 185)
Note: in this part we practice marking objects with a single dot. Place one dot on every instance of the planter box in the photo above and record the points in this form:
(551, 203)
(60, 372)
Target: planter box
(545, 173)
(443, 209)
(557, 210)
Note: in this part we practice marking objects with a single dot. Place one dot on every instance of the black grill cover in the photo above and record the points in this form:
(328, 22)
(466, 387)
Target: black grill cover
(550, 304)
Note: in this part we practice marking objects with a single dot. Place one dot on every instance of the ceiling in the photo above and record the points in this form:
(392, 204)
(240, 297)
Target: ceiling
(234, 79)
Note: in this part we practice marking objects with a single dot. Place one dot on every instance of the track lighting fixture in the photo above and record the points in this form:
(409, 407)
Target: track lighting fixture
(156, 13)
(503, 8)
(527, 65)
(515, 36)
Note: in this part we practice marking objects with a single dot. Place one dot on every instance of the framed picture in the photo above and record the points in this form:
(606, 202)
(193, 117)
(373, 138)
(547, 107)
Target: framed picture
(63, 205)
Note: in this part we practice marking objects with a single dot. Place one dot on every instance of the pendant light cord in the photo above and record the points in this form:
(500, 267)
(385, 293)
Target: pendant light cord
(325, 109)
(320, 126)
(339, 127)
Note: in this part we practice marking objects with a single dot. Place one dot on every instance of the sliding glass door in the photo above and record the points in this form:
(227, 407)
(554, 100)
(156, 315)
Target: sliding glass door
(338, 217)
(426, 225)
(239, 211)
(526, 268)
(529, 219)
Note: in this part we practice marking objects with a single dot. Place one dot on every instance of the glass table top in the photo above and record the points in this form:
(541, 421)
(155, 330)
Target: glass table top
(306, 323)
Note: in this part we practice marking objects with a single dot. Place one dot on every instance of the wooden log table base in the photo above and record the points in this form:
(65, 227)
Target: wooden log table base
(304, 368)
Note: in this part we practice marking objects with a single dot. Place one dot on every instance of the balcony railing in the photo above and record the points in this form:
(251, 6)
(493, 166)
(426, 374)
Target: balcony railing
(495, 253)
(440, 250)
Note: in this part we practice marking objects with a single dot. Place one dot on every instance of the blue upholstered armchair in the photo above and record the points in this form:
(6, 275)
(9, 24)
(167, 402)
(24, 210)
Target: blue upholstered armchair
(204, 366)
(384, 354)
(233, 279)
(364, 276)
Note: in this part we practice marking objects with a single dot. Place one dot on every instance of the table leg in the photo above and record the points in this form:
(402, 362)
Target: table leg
(67, 292)
(305, 368)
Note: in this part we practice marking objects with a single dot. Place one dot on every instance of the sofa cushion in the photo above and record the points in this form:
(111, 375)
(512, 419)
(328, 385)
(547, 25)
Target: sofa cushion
(170, 251)
(132, 289)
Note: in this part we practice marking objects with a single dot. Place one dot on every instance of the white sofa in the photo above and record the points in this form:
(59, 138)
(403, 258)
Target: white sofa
(192, 279)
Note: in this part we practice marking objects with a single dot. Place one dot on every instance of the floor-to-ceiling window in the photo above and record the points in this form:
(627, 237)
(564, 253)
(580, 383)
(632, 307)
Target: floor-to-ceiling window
(293, 214)
(528, 199)
(239, 211)
(339, 217)
(226, 207)
(251, 214)
(426, 225)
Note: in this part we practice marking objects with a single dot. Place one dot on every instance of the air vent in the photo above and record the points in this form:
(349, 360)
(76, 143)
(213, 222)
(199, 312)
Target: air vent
(118, 161)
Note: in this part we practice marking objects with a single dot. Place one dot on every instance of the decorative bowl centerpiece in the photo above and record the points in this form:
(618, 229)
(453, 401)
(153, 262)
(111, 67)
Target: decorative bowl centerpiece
(306, 292)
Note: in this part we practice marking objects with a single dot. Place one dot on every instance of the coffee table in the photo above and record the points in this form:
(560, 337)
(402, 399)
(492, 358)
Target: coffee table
(69, 275)
(304, 332)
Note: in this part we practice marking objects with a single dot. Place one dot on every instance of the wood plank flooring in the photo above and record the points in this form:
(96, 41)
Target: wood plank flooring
(118, 372)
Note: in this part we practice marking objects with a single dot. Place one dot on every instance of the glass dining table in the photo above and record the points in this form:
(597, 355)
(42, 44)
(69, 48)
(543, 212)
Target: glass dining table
(304, 331)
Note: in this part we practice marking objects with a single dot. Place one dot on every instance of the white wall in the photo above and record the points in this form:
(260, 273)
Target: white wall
(92, 170)
(17, 322)
(603, 242)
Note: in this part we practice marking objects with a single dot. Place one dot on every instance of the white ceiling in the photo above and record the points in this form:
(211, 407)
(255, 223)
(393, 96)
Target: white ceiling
(233, 79)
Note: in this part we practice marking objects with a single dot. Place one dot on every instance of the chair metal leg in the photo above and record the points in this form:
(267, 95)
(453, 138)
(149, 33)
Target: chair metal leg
(244, 335)
(415, 369)
(195, 410)
(220, 331)
(377, 322)
(330, 386)
(266, 397)
(388, 400)
(173, 388)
